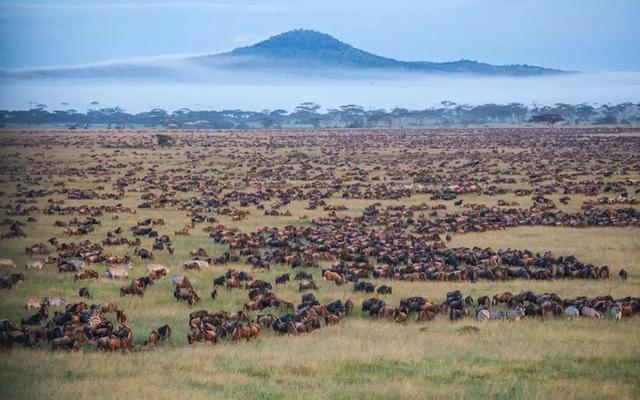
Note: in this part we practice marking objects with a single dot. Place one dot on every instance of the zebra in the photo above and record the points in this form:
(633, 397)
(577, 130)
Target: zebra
(95, 318)
(33, 303)
(515, 314)
(54, 302)
(7, 262)
(34, 263)
(571, 312)
(487, 314)
(120, 270)
(616, 312)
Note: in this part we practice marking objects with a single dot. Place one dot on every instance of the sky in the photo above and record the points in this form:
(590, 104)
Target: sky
(585, 35)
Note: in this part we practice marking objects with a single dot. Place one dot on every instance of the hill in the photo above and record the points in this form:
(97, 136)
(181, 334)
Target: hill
(315, 50)
(301, 52)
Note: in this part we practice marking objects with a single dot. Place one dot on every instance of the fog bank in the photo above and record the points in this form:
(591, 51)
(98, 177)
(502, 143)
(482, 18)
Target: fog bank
(257, 92)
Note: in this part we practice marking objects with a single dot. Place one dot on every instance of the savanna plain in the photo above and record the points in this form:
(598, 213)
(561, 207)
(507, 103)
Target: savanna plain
(388, 203)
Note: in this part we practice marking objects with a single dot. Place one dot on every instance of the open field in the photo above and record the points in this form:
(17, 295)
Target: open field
(513, 184)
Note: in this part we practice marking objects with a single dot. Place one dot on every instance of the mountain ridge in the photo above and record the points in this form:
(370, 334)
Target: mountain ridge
(309, 48)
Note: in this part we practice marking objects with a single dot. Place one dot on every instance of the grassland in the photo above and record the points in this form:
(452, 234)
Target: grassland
(359, 358)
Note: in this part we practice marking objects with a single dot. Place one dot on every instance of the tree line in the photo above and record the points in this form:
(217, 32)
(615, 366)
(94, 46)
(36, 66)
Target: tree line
(311, 115)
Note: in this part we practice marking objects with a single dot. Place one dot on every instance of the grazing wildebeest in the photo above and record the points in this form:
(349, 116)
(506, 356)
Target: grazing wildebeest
(623, 274)
(301, 275)
(131, 289)
(196, 265)
(85, 274)
(35, 319)
(188, 295)
(307, 285)
(10, 279)
(501, 298)
(384, 289)
(282, 279)
(363, 286)
(84, 292)
(161, 334)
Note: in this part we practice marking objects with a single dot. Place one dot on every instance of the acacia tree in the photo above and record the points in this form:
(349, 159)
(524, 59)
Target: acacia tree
(307, 113)
(550, 119)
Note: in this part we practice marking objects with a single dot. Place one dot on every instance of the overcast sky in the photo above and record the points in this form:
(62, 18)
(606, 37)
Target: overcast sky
(586, 35)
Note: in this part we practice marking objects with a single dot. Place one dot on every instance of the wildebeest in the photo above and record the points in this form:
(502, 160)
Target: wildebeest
(85, 274)
(195, 264)
(623, 274)
(363, 286)
(307, 285)
(188, 295)
(132, 289)
(35, 319)
(84, 292)
(10, 279)
(384, 289)
(282, 279)
(161, 334)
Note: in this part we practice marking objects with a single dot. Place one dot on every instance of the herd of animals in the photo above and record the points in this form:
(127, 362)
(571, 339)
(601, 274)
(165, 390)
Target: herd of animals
(367, 250)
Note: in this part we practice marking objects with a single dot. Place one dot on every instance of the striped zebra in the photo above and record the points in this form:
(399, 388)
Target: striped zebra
(7, 262)
(95, 318)
(118, 270)
(33, 303)
(514, 314)
(34, 263)
(54, 302)
(488, 314)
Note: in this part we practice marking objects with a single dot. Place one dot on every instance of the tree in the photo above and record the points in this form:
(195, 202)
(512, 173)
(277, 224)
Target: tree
(352, 115)
(307, 113)
(550, 119)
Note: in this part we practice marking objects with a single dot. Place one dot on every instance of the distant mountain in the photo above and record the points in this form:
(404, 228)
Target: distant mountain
(308, 49)
(301, 52)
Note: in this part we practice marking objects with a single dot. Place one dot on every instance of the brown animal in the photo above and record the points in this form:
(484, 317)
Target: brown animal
(334, 277)
(307, 285)
(501, 298)
(85, 274)
(246, 332)
(623, 274)
(121, 317)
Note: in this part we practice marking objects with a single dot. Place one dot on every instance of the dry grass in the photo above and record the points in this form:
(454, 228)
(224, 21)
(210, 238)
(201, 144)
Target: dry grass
(529, 359)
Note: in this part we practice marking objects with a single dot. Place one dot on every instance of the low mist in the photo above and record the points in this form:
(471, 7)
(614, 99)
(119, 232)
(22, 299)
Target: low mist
(196, 88)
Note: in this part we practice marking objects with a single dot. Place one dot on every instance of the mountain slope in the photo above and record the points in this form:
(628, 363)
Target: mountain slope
(310, 49)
